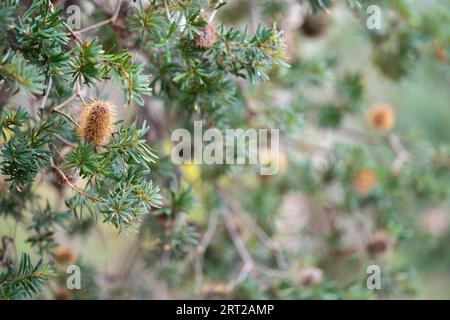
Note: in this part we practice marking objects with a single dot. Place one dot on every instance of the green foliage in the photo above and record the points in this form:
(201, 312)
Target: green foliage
(117, 187)
(20, 75)
(91, 63)
(24, 280)
(44, 227)
(27, 153)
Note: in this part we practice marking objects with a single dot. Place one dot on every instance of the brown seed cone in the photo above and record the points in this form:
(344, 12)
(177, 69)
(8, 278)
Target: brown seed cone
(166, 220)
(313, 26)
(96, 121)
(364, 182)
(380, 244)
(64, 255)
(207, 37)
(63, 294)
(441, 54)
(2, 183)
(381, 117)
(310, 276)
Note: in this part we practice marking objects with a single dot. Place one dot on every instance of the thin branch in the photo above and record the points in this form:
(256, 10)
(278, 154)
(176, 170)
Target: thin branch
(402, 154)
(209, 234)
(212, 16)
(79, 95)
(243, 274)
(64, 103)
(47, 92)
(249, 263)
(258, 231)
(199, 253)
(64, 141)
(236, 238)
(75, 35)
(102, 23)
(70, 184)
(264, 238)
(67, 117)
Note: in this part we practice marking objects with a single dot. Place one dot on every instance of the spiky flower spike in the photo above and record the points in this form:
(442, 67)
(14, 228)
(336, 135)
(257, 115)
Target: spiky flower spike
(96, 121)
(381, 117)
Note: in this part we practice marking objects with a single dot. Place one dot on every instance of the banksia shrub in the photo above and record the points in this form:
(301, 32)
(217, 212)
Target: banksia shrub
(94, 185)
(64, 255)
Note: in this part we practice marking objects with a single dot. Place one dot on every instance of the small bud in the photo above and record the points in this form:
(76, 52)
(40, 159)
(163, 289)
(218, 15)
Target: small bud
(381, 117)
(96, 121)
(364, 182)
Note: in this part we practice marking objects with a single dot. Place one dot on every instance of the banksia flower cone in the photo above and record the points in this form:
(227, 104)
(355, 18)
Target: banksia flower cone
(206, 37)
(380, 244)
(310, 276)
(64, 255)
(96, 121)
(381, 117)
(63, 294)
(364, 182)
(313, 26)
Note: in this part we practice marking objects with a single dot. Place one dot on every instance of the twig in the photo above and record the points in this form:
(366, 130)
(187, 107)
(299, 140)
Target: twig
(79, 95)
(102, 23)
(52, 9)
(70, 184)
(67, 117)
(212, 16)
(258, 231)
(73, 33)
(209, 234)
(236, 238)
(249, 263)
(245, 271)
(199, 253)
(402, 154)
(264, 238)
(44, 100)
(64, 103)
(65, 141)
